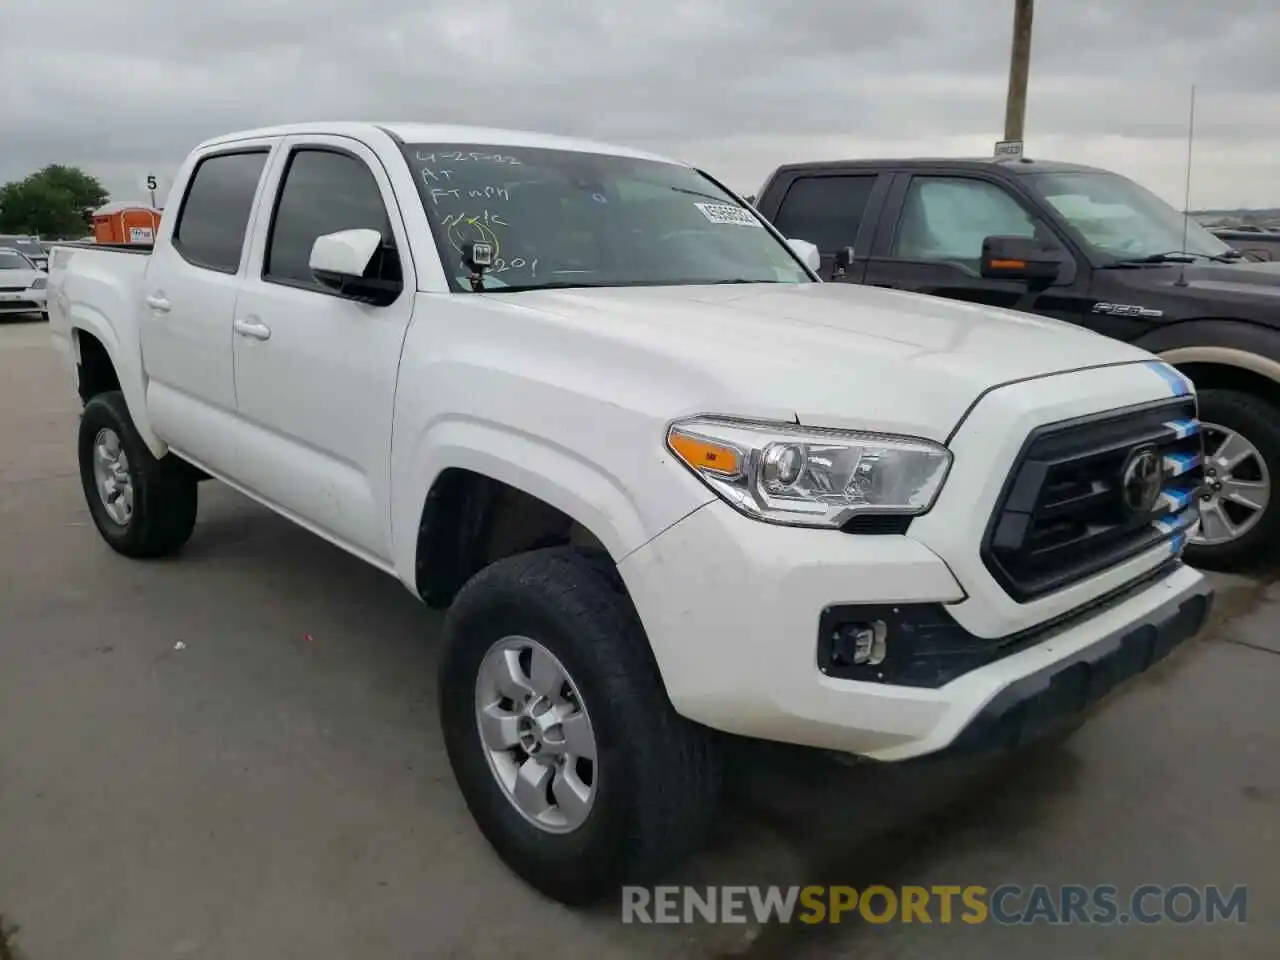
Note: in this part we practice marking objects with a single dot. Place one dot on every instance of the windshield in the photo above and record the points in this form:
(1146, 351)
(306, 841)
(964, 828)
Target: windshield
(13, 260)
(564, 218)
(1119, 218)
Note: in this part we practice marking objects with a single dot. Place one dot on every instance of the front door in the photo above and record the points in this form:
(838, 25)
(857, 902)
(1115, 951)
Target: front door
(315, 371)
(931, 242)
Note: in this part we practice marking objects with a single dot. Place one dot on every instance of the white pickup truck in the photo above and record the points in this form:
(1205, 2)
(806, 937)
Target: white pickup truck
(670, 484)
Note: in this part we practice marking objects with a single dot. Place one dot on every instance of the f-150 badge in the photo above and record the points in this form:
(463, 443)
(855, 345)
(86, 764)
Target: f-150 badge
(1125, 310)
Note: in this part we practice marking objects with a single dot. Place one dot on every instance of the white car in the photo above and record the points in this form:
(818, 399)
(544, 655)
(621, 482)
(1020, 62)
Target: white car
(670, 485)
(22, 284)
(34, 250)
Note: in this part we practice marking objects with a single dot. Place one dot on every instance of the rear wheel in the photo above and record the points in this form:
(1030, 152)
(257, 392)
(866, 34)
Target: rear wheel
(569, 755)
(142, 507)
(1239, 518)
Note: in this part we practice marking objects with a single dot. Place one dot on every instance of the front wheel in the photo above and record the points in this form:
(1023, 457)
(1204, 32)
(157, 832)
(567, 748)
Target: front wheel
(569, 755)
(1239, 518)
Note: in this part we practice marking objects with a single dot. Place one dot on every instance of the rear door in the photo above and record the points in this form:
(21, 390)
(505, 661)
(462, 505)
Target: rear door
(315, 371)
(929, 240)
(832, 209)
(189, 295)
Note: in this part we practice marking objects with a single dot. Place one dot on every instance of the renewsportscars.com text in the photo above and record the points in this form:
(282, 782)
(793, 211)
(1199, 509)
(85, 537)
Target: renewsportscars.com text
(1007, 904)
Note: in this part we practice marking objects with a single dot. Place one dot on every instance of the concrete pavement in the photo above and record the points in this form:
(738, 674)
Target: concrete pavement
(235, 754)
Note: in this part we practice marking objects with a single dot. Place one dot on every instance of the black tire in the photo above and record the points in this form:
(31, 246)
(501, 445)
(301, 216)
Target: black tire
(164, 491)
(658, 776)
(1258, 421)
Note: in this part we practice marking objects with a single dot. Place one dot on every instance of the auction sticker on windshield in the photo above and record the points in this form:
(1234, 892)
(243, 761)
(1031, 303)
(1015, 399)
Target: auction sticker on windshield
(727, 213)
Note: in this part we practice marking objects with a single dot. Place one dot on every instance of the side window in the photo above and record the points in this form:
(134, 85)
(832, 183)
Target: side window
(323, 192)
(947, 218)
(211, 226)
(826, 211)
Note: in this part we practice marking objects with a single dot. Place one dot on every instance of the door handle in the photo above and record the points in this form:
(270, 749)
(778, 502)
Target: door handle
(158, 302)
(252, 327)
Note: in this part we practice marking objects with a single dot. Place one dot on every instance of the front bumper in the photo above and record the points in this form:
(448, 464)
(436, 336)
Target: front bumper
(1044, 700)
(24, 301)
(732, 609)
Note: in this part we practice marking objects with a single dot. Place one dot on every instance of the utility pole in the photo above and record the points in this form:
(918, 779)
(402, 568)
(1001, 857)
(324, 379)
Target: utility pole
(1015, 110)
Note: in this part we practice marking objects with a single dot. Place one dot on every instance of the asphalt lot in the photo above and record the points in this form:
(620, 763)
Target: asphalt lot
(235, 755)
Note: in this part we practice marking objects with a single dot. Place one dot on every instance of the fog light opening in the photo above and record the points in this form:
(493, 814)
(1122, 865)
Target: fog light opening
(858, 644)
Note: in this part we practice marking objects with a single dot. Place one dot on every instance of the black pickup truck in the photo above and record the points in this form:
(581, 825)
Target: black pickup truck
(1090, 247)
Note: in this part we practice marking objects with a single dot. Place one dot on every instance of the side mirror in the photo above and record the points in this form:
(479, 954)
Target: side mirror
(340, 261)
(1019, 258)
(807, 252)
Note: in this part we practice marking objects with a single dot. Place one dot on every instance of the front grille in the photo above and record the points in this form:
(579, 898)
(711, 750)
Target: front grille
(1065, 514)
(18, 306)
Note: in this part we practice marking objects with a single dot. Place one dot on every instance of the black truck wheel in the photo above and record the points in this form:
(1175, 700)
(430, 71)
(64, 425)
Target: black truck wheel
(569, 755)
(1239, 518)
(142, 507)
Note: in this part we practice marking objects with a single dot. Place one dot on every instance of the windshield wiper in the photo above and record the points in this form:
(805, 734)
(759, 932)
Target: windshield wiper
(1176, 256)
(743, 280)
(708, 196)
(1172, 256)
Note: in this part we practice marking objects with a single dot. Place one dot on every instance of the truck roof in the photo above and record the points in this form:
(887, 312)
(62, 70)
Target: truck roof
(409, 132)
(1013, 165)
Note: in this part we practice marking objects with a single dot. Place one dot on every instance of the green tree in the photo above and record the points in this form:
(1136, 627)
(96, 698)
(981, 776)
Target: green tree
(56, 202)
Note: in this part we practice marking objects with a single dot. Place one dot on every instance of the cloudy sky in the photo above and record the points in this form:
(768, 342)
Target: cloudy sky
(124, 87)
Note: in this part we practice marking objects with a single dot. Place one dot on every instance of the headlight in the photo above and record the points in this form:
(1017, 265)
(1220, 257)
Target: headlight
(39, 282)
(785, 473)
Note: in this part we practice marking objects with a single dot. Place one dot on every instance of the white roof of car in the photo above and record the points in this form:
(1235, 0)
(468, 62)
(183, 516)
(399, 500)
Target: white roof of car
(440, 133)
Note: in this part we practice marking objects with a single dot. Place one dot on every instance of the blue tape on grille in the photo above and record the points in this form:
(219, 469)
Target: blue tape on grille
(1177, 523)
(1176, 464)
(1184, 428)
(1175, 499)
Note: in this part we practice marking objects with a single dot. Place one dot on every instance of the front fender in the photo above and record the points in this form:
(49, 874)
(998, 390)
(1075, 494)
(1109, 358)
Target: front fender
(599, 500)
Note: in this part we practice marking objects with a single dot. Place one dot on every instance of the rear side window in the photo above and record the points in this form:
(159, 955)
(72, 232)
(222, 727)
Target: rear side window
(826, 211)
(325, 191)
(215, 214)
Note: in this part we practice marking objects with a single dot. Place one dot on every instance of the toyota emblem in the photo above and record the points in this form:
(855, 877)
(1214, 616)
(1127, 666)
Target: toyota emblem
(1141, 481)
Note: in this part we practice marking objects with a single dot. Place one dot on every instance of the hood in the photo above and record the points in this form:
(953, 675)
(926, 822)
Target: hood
(1243, 284)
(1248, 291)
(1243, 278)
(827, 354)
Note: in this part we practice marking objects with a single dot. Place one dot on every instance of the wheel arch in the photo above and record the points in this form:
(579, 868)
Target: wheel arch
(1221, 354)
(1227, 357)
(471, 519)
(457, 468)
(102, 364)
